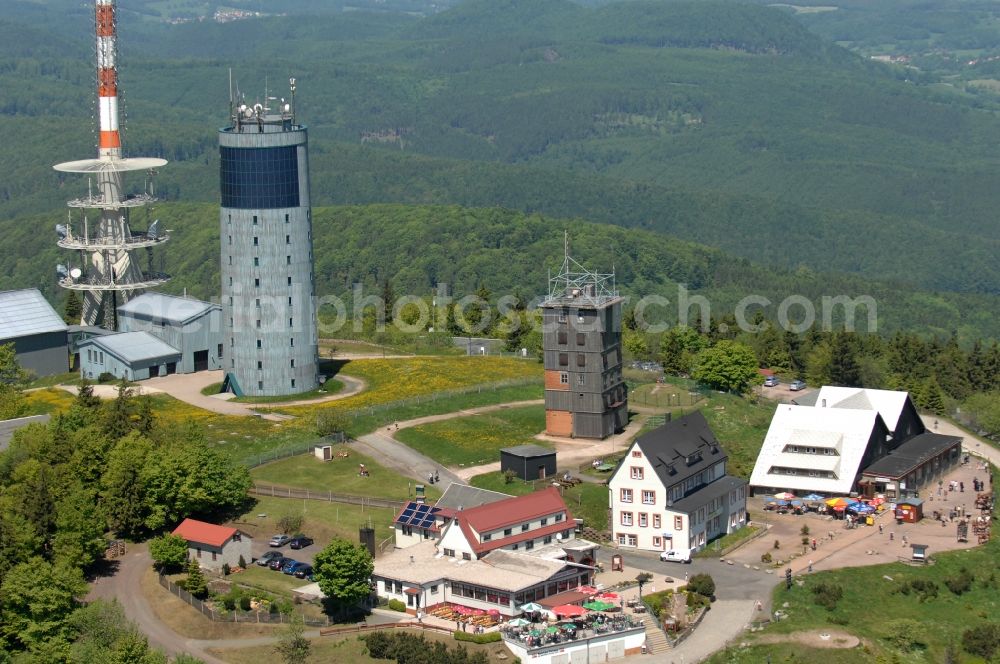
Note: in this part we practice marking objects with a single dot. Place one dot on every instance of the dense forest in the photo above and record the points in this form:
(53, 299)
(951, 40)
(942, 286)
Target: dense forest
(416, 248)
(721, 123)
(95, 468)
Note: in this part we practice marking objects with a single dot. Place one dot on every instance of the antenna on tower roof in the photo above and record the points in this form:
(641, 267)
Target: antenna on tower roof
(565, 244)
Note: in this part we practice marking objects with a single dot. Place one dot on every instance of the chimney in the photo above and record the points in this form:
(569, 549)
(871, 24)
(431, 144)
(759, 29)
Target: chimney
(824, 403)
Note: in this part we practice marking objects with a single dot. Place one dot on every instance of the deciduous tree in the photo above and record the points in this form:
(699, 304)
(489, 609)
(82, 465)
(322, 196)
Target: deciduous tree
(343, 571)
(728, 365)
(168, 551)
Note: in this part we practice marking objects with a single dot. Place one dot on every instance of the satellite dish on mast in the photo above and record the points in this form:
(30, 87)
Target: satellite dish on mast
(76, 273)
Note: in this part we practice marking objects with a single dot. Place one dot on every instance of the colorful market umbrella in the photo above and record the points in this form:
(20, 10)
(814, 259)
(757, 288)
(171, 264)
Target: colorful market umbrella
(518, 622)
(784, 495)
(494, 612)
(530, 607)
(840, 502)
(552, 630)
(781, 502)
(569, 610)
(597, 605)
(812, 497)
(861, 508)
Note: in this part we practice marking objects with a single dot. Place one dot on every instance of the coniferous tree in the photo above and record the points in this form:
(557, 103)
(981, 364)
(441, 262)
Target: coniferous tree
(844, 368)
(73, 309)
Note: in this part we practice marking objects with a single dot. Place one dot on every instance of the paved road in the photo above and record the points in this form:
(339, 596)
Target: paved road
(188, 387)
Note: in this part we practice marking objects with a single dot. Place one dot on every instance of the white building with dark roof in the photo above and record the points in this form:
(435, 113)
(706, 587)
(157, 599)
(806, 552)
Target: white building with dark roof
(847, 439)
(38, 333)
(671, 490)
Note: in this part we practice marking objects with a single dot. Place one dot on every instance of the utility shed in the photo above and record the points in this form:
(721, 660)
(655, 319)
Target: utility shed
(191, 326)
(129, 355)
(29, 322)
(529, 462)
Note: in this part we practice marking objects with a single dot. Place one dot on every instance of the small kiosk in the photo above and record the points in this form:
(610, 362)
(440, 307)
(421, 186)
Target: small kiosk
(909, 510)
(919, 553)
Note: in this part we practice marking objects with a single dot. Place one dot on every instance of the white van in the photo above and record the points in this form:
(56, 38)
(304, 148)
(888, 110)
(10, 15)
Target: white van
(676, 556)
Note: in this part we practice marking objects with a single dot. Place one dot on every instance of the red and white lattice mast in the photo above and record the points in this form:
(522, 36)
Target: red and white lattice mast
(107, 272)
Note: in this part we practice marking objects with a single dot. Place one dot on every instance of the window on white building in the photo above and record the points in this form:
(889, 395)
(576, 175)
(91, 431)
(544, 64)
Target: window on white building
(656, 520)
(678, 523)
(636, 472)
(626, 518)
(633, 540)
(626, 495)
(643, 520)
(648, 497)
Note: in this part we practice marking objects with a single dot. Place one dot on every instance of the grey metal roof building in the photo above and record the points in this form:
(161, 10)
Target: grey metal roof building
(129, 355)
(585, 393)
(268, 310)
(463, 496)
(191, 326)
(38, 333)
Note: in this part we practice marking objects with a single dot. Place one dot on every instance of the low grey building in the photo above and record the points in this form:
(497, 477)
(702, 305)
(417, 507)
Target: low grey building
(529, 462)
(192, 327)
(128, 355)
(29, 322)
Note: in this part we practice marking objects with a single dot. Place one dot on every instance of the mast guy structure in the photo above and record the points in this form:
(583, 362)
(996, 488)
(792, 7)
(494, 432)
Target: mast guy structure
(108, 273)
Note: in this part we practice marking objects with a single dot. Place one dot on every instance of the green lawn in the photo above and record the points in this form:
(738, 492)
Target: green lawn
(873, 606)
(70, 377)
(585, 501)
(740, 425)
(476, 439)
(269, 580)
(662, 396)
(793, 653)
(339, 475)
(350, 649)
(715, 546)
(323, 521)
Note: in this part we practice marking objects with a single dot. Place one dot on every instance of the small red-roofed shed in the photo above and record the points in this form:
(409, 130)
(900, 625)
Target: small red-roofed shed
(214, 546)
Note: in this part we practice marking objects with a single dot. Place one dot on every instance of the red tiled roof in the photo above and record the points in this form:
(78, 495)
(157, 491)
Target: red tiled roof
(516, 510)
(511, 512)
(204, 533)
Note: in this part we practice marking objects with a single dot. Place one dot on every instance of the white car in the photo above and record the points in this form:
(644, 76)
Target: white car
(675, 556)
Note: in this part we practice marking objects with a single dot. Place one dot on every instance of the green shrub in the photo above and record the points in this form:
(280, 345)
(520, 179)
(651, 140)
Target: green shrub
(397, 605)
(766, 557)
(695, 600)
(924, 589)
(488, 637)
(226, 569)
(904, 634)
(106, 377)
(703, 584)
(660, 602)
(960, 583)
(777, 544)
(827, 595)
(982, 640)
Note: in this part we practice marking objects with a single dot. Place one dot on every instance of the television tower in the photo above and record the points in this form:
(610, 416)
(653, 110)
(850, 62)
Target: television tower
(107, 272)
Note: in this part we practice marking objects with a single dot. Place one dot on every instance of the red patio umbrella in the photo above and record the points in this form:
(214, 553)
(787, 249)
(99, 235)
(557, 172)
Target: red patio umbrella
(494, 612)
(569, 610)
(588, 590)
(608, 596)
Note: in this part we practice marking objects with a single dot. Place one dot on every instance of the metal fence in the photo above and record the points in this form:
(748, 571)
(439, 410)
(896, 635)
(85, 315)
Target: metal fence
(239, 616)
(277, 491)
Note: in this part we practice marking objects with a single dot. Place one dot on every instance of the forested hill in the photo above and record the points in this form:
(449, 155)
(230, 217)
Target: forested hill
(717, 122)
(508, 252)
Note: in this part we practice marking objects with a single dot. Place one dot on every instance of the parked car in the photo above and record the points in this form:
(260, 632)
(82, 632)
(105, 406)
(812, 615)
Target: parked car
(797, 385)
(279, 540)
(303, 571)
(278, 563)
(676, 556)
(771, 381)
(290, 565)
(266, 559)
(300, 541)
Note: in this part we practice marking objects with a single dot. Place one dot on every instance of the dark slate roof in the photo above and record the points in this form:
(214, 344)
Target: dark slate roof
(681, 448)
(911, 454)
(464, 496)
(527, 451)
(707, 493)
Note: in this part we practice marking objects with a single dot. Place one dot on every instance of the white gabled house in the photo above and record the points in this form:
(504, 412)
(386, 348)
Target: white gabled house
(671, 491)
(485, 550)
